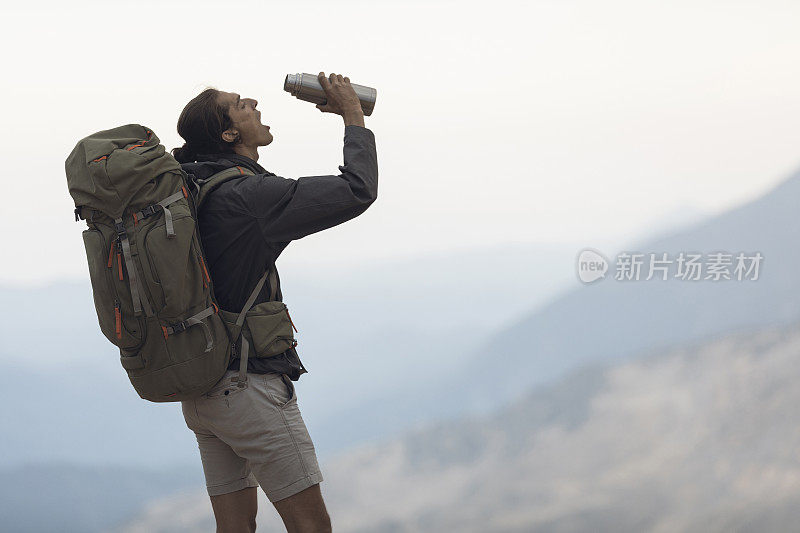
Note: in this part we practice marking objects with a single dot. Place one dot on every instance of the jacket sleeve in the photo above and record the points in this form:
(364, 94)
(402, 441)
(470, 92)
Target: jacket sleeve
(288, 209)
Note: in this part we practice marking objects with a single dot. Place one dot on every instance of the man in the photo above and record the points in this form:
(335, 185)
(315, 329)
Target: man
(255, 435)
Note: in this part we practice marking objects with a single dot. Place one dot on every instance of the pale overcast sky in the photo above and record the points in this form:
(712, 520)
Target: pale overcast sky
(496, 122)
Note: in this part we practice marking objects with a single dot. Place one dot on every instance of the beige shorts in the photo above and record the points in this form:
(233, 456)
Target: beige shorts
(253, 436)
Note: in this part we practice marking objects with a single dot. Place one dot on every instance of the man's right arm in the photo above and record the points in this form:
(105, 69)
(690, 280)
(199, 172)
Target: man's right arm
(289, 209)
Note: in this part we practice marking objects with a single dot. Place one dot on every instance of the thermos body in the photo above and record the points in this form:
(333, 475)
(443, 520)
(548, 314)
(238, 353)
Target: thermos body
(306, 87)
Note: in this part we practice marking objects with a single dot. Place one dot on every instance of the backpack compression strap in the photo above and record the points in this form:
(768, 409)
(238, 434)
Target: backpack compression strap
(195, 320)
(241, 379)
(151, 210)
(137, 294)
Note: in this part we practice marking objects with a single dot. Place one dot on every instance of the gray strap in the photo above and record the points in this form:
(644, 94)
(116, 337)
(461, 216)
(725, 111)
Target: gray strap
(208, 185)
(150, 211)
(226, 174)
(249, 303)
(205, 313)
(168, 214)
(242, 377)
(133, 277)
(273, 284)
(195, 320)
(168, 223)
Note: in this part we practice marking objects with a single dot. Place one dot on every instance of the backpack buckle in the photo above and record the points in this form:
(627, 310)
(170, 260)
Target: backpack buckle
(148, 211)
(120, 227)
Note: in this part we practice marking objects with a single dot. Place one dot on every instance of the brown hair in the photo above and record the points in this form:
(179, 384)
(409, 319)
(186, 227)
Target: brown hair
(201, 124)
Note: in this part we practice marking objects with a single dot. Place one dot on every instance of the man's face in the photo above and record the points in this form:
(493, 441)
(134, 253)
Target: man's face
(246, 120)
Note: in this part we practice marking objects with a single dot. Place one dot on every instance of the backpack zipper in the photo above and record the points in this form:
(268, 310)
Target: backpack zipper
(117, 301)
(118, 319)
(118, 246)
(115, 245)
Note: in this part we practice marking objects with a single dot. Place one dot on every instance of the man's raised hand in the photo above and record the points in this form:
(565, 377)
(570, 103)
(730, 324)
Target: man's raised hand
(341, 99)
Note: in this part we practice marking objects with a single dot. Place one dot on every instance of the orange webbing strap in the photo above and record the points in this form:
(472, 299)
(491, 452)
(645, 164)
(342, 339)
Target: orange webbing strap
(290, 320)
(205, 283)
(118, 246)
(206, 277)
(118, 320)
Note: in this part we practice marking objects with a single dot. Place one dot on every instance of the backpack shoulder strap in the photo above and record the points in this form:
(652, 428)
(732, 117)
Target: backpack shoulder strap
(272, 274)
(205, 186)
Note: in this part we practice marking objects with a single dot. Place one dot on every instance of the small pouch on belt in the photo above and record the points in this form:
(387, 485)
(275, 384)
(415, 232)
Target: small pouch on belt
(267, 327)
(270, 328)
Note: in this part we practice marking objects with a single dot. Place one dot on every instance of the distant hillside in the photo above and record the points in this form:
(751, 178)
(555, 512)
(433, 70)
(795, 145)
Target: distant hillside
(384, 320)
(613, 319)
(701, 438)
(71, 498)
(609, 320)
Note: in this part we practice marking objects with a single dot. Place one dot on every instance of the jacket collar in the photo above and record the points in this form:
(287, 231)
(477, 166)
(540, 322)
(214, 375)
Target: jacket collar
(236, 159)
(209, 164)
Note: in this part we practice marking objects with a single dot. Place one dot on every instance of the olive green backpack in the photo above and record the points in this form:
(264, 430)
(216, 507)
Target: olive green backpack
(152, 291)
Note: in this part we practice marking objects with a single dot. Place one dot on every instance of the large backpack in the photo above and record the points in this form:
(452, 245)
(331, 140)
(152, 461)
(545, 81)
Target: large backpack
(152, 290)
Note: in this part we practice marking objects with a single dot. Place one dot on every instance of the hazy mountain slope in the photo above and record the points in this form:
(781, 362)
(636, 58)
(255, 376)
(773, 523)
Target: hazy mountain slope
(614, 319)
(701, 438)
(364, 333)
(81, 499)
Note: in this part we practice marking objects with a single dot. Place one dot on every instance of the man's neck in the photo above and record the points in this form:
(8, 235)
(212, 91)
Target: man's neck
(247, 151)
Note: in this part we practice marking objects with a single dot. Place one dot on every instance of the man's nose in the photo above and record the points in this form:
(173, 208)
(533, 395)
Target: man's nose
(253, 102)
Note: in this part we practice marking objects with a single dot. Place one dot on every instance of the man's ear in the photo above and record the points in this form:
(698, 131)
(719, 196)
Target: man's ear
(230, 135)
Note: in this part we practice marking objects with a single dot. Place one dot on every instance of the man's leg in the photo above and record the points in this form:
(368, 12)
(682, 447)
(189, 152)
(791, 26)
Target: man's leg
(265, 435)
(235, 512)
(304, 512)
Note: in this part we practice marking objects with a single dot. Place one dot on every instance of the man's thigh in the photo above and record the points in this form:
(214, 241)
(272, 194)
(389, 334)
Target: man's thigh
(262, 424)
(224, 470)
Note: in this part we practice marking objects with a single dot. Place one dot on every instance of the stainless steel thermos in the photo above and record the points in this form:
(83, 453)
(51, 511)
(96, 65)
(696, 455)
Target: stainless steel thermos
(306, 87)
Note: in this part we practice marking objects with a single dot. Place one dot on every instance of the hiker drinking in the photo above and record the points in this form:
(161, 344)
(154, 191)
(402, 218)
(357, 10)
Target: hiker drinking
(181, 251)
(254, 434)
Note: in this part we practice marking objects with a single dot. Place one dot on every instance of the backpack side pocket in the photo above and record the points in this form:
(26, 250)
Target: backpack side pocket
(115, 316)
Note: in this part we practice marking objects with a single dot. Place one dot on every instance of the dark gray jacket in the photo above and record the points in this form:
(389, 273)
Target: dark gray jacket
(247, 222)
